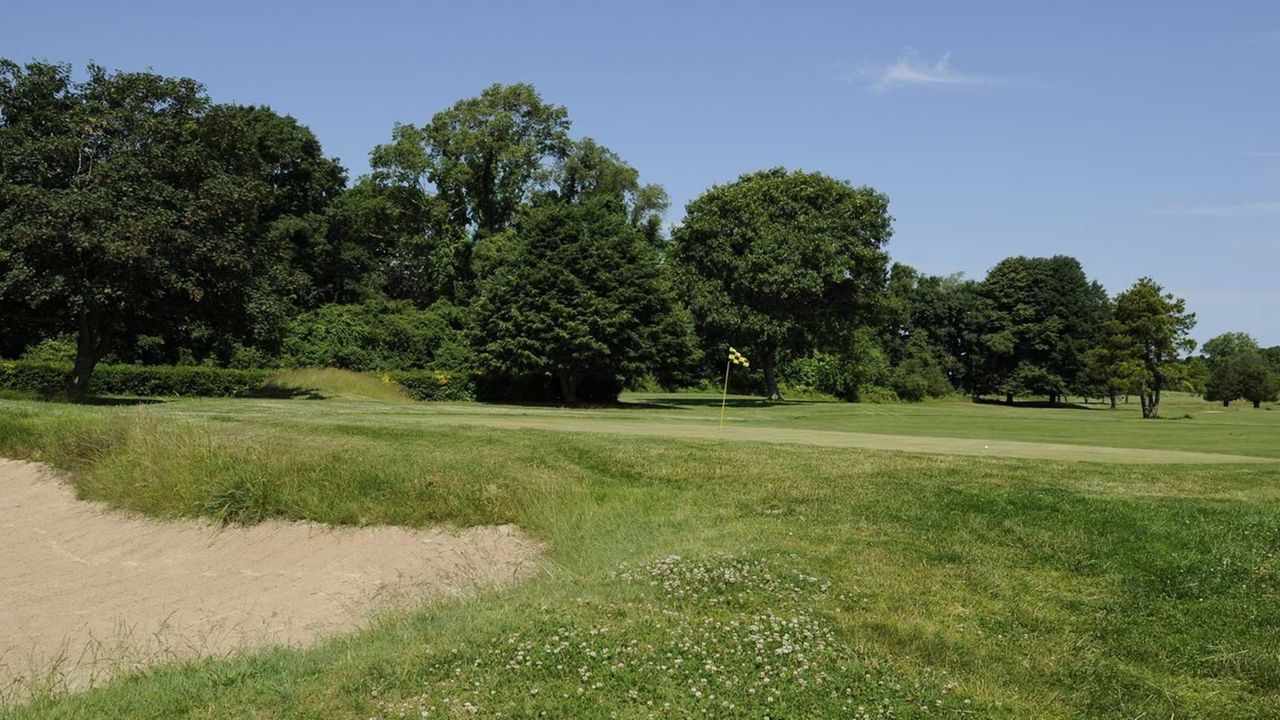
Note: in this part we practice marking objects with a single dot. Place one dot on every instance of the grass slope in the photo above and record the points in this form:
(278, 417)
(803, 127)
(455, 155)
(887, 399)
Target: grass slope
(694, 577)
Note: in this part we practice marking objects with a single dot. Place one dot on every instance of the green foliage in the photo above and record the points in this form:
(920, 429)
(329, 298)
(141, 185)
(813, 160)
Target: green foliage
(1148, 332)
(1222, 348)
(776, 262)
(379, 335)
(136, 380)
(434, 385)
(130, 205)
(1242, 374)
(59, 349)
(1041, 317)
(578, 294)
(915, 379)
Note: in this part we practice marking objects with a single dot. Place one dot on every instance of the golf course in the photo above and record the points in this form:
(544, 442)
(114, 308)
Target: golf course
(811, 559)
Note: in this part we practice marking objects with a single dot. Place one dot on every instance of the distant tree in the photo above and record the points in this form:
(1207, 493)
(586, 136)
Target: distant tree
(778, 261)
(1043, 314)
(1147, 334)
(1114, 365)
(1227, 345)
(1244, 374)
(1224, 382)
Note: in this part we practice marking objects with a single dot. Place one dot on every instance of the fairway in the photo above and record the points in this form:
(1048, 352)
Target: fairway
(1205, 435)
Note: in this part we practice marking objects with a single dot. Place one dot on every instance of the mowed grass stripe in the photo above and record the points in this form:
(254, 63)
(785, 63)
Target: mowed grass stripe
(827, 438)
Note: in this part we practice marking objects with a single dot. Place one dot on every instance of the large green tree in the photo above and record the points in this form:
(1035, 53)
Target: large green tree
(779, 262)
(461, 177)
(577, 292)
(1147, 334)
(1224, 380)
(1043, 314)
(129, 205)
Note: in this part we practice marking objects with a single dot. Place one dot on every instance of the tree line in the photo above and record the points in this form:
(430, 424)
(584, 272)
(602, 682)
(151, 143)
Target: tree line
(141, 222)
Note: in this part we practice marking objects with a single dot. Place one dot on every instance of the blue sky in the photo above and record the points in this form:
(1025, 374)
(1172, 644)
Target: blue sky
(1142, 138)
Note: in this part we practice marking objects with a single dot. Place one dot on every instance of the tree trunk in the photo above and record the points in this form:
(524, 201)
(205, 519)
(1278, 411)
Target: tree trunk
(1053, 399)
(568, 387)
(771, 375)
(1008, 398)
(1113, 401)
(1226, 403)
(1151, 405)
(1257, 404)
(91, 344)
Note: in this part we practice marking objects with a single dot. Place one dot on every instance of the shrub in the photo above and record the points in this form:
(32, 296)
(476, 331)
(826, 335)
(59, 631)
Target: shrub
(379, 335)
(434, 384)
(135, 380)
(914, 380)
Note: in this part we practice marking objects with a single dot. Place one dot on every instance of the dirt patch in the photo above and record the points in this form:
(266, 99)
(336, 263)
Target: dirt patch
(87, 592)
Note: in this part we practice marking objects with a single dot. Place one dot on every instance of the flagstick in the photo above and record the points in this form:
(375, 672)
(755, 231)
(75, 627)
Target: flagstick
(725, 394)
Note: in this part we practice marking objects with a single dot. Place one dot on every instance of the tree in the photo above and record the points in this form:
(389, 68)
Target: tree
(1227, 345)
(1113, 366)
(576, 291)
(1148, 332)
(778, 261)
(1223, 382)
(1243, 374)
(462, 177)
(1043, 315)
(96, 184)
(1257, 381)
(131, 207)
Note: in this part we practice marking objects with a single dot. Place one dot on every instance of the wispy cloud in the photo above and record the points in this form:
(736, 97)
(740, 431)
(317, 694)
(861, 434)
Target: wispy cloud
(1242, 210)
(911, 71)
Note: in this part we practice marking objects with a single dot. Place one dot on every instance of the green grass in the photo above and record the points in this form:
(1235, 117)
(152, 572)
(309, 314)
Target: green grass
(905, 585)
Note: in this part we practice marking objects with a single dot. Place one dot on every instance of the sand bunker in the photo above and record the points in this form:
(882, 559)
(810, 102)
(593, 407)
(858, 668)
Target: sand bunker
(87, 592)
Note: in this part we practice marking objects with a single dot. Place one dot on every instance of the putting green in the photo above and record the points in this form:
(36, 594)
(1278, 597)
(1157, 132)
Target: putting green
(827, 438)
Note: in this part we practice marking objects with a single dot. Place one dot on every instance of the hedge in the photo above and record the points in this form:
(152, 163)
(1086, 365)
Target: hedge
(435, 384)
(136, 380)
(199, 381)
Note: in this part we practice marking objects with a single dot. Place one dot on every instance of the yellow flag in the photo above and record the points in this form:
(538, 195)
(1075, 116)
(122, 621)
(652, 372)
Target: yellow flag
(738, 358)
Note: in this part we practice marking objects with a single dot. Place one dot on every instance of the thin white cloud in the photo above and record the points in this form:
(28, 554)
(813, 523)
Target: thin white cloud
(911, 71)
(1242, 210)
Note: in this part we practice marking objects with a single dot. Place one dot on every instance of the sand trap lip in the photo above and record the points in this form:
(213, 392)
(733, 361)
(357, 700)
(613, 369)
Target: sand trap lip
(89, 592)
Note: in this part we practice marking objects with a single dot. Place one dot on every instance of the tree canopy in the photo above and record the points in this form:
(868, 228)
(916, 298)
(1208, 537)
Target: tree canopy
(777, 261)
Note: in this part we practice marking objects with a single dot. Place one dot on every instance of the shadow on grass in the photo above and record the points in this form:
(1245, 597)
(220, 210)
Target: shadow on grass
(273, 391)
(680, 403)
(1038, 404)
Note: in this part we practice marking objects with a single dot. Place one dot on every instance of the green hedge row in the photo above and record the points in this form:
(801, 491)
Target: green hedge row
(435, 384)
(136, 380)
(198, 381)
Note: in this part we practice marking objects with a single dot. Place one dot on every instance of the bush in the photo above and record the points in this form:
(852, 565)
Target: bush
(434, 384)
(59, 349)
(877, 395)
(379, 335)
(914, 380)
(135, 380)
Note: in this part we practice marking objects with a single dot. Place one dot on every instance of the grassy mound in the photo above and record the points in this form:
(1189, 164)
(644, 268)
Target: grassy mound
(332, 383)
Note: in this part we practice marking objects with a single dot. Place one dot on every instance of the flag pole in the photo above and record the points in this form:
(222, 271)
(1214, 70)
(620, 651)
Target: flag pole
(725, 393)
